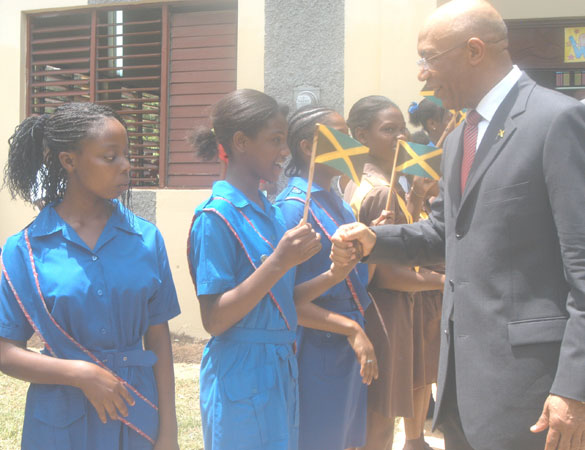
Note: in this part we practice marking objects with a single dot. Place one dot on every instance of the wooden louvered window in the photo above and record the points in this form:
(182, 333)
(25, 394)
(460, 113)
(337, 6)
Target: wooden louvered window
(122, 57)
(202, 69)
(128, 78)
(59, 61)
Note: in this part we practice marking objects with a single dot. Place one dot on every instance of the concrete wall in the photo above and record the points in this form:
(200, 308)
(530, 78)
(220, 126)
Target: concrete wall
(251, 44)
(531, 9)
(304, 47)
(380, 49)
(536, 9)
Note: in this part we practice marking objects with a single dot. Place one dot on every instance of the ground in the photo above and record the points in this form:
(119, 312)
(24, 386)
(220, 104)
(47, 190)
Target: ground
(186, 349)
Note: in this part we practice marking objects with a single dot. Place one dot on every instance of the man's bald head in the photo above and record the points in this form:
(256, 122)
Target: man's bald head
(464, 45)
(463, 19)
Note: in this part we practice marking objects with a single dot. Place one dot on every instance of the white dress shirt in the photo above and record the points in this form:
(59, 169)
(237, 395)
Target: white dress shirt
(490, 103)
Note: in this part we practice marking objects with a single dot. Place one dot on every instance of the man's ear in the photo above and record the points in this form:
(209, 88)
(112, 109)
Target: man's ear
(476, 51)
(68, 161)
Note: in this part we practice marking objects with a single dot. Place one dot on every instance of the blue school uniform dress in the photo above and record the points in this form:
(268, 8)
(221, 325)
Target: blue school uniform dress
(248, 381)
(99, 305)
(332, 395)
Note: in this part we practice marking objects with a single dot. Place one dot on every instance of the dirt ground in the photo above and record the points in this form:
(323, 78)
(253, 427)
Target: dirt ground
(185, 348)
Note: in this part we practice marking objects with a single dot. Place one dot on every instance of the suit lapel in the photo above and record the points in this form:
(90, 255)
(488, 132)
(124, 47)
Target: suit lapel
(454, 167)
(493, 142)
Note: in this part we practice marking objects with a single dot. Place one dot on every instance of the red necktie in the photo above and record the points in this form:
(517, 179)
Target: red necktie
(469, 144)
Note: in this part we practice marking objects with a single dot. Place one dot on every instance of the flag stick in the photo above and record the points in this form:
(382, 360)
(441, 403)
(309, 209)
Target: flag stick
(389, 199)
(311, 173)
(447, 130)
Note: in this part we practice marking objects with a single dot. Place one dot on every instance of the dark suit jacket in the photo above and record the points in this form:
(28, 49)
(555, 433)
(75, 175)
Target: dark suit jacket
(514, 246)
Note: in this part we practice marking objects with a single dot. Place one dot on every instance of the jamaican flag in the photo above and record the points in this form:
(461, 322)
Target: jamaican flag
(338, 150)
(430, 95)
(461, 116)
(419, 159)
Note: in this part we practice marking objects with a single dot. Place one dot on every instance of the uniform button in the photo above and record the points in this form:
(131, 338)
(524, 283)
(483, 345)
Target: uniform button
(103, 331)
(94, 258)
(328, 335)
(254, 391)
(100, 292)
(452, 285)
(446, 332)
(125, 358)
(458, 235)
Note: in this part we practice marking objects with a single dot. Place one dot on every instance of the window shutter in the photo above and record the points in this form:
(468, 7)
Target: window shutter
(58, 60)
(202, 70)
(160, 67)
(128, 79)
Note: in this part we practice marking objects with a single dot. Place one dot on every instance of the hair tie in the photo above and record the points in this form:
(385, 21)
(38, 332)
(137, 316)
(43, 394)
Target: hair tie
(221, 153)
(413, 107)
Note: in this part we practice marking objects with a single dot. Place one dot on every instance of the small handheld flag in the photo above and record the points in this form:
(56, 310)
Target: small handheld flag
(430, 95)
(343, 153)
(418, 159)
(337, 150)
(460, 116)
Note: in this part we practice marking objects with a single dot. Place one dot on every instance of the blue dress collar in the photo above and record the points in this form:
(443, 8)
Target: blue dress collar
(49, 221)
(238, 198)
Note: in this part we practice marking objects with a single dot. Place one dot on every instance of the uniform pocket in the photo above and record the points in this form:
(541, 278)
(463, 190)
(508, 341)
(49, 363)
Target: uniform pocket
(251, 406)
(53, 419)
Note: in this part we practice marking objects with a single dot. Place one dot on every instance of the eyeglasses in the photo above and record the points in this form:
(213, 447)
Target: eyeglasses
(426, 65)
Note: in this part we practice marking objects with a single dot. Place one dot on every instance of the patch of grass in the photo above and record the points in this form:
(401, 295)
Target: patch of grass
(11, 412)
(187, 397)
(188, 413)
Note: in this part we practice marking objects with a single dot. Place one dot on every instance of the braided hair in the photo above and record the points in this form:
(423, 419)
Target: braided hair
(245, 110)
(301, 125)
(33, 158)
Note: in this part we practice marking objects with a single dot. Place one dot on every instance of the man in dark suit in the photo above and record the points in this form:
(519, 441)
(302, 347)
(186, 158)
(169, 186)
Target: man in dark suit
(510, 224)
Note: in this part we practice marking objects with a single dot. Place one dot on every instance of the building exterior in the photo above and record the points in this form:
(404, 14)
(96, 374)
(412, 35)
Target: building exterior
(163, 63)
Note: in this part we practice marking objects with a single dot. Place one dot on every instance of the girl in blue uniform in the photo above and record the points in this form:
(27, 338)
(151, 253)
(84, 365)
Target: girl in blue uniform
(336, 359)
(241, 258)
(94, 282)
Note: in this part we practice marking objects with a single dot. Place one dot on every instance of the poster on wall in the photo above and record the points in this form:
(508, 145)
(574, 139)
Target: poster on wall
(575, 44)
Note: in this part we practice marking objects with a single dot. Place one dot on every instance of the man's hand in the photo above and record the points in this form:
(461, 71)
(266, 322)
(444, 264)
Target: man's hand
(565, 420)
(356, 232)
